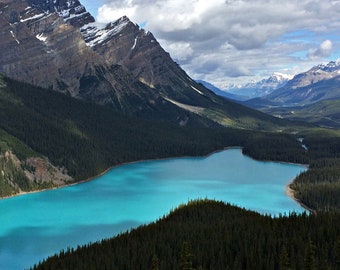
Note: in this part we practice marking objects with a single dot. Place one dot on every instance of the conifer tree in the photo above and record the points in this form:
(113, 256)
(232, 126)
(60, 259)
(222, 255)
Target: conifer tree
(185, 262)
(337, 254)
(284, 263)
(310, 263)
(154, 263)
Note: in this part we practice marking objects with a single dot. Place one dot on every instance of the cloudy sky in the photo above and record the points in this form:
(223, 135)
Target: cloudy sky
(234, 41)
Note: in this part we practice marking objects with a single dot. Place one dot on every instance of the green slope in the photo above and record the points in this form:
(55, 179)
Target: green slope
(325, 113)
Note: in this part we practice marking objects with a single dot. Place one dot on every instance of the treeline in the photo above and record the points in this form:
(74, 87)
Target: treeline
(213, 235)
(319, 187)
(276, 147)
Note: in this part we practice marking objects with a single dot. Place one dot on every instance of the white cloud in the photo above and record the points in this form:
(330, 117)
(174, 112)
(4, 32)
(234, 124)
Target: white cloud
(180, 51)
(224, 39)
(111, 12)
(323, 51)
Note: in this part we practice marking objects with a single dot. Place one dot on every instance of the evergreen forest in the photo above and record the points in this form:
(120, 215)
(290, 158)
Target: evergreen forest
(213, 235)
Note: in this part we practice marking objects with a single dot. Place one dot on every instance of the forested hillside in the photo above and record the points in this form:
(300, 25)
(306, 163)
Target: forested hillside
(85, 139)
(212, 235)
(319, 187)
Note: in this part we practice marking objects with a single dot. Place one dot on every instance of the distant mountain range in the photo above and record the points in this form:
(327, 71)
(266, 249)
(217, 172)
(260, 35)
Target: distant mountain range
(259, 88)
(250, 90)
(312, 96)
(319, 83)
(220, 92)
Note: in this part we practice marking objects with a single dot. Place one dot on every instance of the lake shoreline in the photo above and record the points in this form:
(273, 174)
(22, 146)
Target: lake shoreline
(289, 192)
(109, 169)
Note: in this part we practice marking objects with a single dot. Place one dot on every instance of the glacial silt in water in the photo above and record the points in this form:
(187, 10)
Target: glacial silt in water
(37, 225)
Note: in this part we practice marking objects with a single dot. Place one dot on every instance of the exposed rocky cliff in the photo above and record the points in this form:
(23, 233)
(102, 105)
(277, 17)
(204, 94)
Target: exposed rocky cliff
(32, 174)
(125, 43)
(40, 47)
(72, 11)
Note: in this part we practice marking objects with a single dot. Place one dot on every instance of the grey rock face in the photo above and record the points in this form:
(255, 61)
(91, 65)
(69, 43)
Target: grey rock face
(54, 44)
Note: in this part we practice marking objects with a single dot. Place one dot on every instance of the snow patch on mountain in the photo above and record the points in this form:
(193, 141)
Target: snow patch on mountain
(72, 16)
(134, 44)
(95, 33)
(41, 37)
(37, 16)
(14, 37)
(198, 91)
(193, 109)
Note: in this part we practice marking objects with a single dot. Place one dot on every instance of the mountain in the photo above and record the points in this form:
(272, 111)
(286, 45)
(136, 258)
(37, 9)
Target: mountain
(38, 47)
(41, 44)
(126, 44)
(57, 46)
(319, 83)
(220, 92)
(259, 88)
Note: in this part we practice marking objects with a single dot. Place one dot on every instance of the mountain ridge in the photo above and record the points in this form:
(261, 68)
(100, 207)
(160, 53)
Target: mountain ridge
(317, 84)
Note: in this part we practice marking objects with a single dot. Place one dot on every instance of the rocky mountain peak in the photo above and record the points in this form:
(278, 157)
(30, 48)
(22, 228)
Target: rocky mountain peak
(124, 43)
(37, 46)
(71, 11)
(316, 74)
(280, 77)
(97, 33)
(329, 67)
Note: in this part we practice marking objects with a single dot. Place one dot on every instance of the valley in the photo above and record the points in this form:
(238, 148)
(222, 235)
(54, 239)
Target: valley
(78, 97)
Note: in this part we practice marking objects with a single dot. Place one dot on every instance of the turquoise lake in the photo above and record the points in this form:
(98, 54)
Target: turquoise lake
(37, 225)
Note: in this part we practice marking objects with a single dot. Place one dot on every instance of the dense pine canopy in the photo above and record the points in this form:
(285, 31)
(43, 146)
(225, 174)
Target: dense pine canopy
(213, 235)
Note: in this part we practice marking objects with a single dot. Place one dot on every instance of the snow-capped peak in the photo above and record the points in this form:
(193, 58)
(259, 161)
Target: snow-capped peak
(260, 88)
(95, 34)
(327, 67)
(281, 76)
